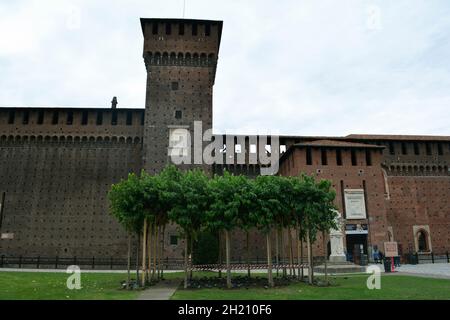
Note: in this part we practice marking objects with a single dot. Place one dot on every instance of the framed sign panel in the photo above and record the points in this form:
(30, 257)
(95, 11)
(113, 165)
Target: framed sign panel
(355, 206)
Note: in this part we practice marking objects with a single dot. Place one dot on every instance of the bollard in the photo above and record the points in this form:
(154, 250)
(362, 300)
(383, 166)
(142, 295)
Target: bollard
(448, 260)
(417, 258)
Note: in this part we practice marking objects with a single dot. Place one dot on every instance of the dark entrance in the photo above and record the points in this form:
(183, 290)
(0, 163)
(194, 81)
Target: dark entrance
(354, 242)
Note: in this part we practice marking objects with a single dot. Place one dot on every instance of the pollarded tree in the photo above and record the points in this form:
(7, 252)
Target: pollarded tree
(189, 208)
(127, 206)
(267, 206)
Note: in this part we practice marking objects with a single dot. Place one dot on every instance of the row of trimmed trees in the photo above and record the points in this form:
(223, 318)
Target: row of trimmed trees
(145, 204)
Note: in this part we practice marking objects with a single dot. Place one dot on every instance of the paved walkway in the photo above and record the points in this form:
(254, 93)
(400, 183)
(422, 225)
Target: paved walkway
(429, 270)
(161, 291)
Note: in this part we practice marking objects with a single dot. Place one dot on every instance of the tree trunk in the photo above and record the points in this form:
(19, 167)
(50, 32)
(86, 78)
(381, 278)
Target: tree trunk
(325, 247)
(308, 244)
(277, 250)
(138, 247)
(155, 249)
(129, 261)
(269, 260)
(248, 253)
(297, 236)
(312, 261)
(186, 245)
(283, 252)
(150, 251)
(227, 250)
(220, 254)
(162, 249)
(191, 257)
(159, 251)
(291, 254)
(144, 252)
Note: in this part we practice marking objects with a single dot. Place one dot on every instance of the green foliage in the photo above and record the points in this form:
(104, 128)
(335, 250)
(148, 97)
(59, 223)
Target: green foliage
(206, 248)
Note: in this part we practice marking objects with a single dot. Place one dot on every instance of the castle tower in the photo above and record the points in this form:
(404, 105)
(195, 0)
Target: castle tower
(180, 57)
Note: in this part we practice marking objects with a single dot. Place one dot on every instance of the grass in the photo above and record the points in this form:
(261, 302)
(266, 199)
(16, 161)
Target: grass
(393, 287)
(100, 286)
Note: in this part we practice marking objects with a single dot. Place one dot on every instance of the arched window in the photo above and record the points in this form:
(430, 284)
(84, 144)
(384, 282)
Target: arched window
(422, 241)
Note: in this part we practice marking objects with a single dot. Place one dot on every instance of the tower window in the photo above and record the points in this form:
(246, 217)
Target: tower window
(391, 148)
(155, 28)
(178, 114)
(99, 118)
(55, 117)
(168, 28)
(129, 118)
(194, 29)
(324, 157)
(69, 118)
(404, 149)
(368, 158)
(428, 148)
(174, 85)
(440, 149)
(114, 118)
(11, 117)
(40, 119)
(181, 29)
(354, 159)
(416, 148)
(207, 29)
(84, 118)
(308, 156)
(25, 117)
(339, 157)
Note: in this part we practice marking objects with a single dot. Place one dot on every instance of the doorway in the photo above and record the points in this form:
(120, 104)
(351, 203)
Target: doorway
(354, 243)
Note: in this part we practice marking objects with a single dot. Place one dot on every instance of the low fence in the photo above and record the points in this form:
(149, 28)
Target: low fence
(417, 258)
(112, 263)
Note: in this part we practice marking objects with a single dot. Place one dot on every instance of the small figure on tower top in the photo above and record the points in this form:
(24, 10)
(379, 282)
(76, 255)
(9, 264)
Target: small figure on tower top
(114, 103)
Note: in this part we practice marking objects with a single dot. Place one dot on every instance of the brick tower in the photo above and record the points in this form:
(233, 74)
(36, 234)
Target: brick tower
(180, 57)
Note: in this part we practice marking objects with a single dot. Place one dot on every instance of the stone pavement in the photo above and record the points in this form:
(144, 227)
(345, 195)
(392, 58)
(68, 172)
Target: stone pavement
(436, 270)
(161, 291)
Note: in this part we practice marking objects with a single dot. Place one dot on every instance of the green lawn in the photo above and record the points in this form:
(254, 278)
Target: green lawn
(52, 286)
(42, 285)
(393, 287)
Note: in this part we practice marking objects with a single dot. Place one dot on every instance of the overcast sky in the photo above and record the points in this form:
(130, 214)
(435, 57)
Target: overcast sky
(304, 67)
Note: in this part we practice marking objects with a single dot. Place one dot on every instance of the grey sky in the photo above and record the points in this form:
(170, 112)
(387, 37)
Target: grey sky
(305, 67)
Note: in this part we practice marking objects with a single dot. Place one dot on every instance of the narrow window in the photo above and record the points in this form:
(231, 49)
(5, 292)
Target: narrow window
(440, 149)
(207, 29)
(174, 85)
(40, 119)
(324, 157)
(181, 29)
(353, 155)
(142, 118)
(11, 117)
(194, 29)
(99, 118)
(168, 28)
(308, 156)
(338, 157)
(55, 117)
(178, 114)
(404, 149)
(129, 118)
(114, 118)
(391, 148)
(344, 215)
(368, 157)
(416, 148)
(84, 118)
(25, 117)
(155, 28)
(173, 240)
(428, 147)
(69, 118)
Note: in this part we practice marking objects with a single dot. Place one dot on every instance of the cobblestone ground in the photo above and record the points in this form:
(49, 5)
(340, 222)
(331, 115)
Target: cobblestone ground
(441, 270)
